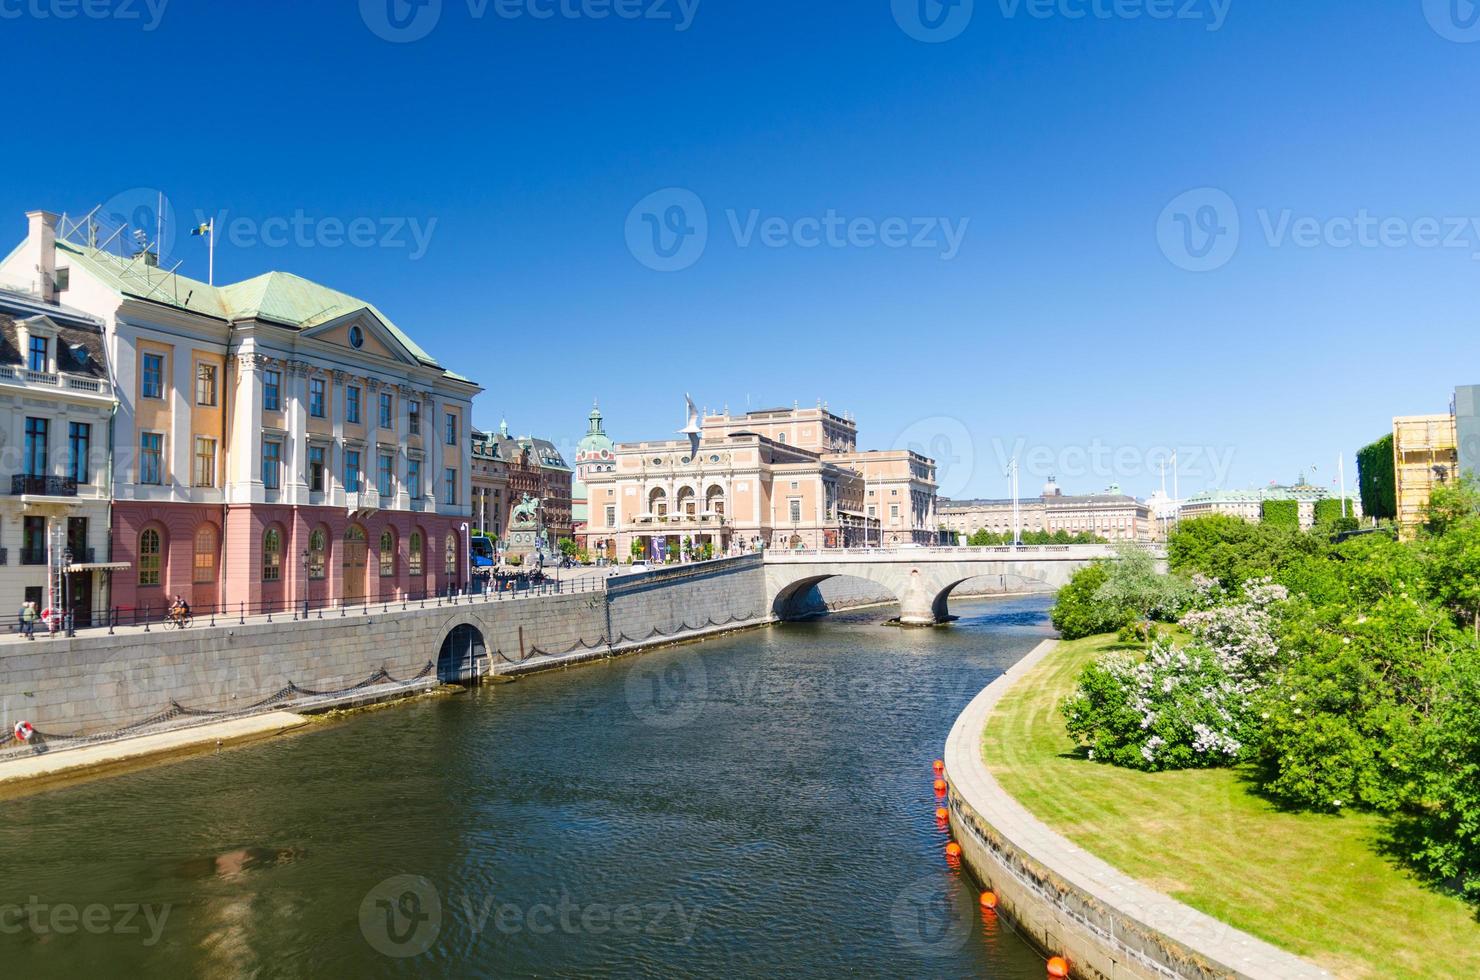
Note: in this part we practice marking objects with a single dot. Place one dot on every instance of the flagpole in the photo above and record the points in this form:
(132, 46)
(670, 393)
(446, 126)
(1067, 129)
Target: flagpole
(211, 251)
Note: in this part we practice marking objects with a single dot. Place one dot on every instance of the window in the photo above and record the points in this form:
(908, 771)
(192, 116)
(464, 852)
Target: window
(153, 381)
(894, 511)
(316, 543)
(272, 555)
(33, 540)
(413, 478)
(205, 384)
(149, 557)
(384, 469)
(352, 404)
(611, 515)
(316, 397)
(151, 458)
(451, 426)
(38, 432)
(451, 494)
(796, 510)
(272, 391)
(451, 564)
(272, 464)
(385, 410)
(351, 471)
(413, 417)
(205, 554)
(414, 559)
(205, 462)
(316, 469)
(387, 554)
(38, 357)
(77, 537)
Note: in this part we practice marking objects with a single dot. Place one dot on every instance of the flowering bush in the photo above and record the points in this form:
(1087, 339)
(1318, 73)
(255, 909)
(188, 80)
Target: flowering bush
(1177, 708)
(1243, 636)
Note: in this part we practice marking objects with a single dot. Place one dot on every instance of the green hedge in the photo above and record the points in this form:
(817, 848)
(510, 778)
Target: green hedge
(1280, 513)
(1329, 511)
(1375, 480)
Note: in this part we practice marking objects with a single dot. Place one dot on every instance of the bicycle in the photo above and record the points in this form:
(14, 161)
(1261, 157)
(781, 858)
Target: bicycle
(179, 622)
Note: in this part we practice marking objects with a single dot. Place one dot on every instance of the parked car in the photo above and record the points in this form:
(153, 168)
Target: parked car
(641, 566)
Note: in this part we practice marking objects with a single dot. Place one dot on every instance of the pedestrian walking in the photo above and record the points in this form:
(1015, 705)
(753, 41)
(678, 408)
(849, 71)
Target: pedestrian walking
(28, 620)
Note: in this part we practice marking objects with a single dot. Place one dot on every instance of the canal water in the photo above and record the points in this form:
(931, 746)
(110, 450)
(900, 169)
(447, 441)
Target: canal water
(755, 805)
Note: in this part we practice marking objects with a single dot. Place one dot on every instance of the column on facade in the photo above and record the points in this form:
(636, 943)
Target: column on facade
(431, 457)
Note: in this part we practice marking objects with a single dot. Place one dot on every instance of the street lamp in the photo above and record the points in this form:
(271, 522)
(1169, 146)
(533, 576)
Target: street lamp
(305, 557)
(67, 592)
(467, 553)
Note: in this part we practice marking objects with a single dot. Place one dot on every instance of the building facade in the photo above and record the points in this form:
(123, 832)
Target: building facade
(595, 453)
(277, 441)
(1111, 515)
(777, 478)
(507, 472)
(1248, 505)
(56, 402)
(1425, 455)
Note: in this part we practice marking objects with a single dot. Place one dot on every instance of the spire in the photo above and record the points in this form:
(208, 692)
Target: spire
(503, 428)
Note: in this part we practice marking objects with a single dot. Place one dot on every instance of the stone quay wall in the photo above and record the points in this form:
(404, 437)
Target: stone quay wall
(97, 684)
(1072, 904)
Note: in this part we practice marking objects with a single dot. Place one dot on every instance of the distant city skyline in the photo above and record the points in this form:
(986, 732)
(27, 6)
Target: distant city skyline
(965, 234)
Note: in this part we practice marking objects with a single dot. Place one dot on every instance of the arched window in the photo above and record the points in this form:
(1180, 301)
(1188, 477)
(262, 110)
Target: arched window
(714, 500)
(451, 555)
(658, 502)
(316, 544)
(387, 553)
(149, 557)
(272, 555)
(205, 554)
(686, 503)
(415, 558)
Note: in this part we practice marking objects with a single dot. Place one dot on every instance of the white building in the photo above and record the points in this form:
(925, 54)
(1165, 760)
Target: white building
(56, 404)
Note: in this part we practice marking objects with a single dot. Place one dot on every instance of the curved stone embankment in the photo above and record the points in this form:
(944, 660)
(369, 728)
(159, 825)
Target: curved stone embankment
(1072, 904)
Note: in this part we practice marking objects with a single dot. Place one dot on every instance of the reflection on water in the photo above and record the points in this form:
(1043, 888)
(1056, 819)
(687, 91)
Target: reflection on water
(758, 803)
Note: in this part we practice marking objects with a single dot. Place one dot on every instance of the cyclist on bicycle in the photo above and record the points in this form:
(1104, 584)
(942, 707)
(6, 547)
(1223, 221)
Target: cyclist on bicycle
(180, 611)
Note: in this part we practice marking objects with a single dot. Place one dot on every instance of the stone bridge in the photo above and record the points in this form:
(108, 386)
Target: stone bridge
(922, 579)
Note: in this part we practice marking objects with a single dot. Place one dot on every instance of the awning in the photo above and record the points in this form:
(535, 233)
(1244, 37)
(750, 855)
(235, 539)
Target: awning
(99, 566)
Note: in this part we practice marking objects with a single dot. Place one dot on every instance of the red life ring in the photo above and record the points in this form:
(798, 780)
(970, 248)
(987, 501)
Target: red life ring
(24, 730)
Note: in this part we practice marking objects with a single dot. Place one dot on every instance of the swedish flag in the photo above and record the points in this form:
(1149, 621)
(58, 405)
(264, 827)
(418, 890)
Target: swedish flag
(204, 229)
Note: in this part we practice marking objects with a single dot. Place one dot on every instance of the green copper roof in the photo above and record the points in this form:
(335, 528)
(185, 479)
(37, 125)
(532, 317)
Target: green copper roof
(280, 297)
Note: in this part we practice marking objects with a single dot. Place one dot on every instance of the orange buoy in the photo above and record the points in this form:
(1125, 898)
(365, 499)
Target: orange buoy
(940, 787)
(1058, 967)
(942, 814)
(989, 900)
(939, 767)
(953, 850)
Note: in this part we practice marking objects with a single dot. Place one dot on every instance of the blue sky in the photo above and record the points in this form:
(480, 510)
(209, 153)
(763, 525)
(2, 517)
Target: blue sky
(1013, 265)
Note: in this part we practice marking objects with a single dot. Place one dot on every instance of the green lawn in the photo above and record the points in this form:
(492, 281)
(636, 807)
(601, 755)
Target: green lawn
(1314, 884)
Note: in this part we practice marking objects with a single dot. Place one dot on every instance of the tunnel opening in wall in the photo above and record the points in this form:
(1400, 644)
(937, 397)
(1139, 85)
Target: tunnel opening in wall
(457, 661)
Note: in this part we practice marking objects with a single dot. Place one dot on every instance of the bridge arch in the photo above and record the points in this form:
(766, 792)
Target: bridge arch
(1004, 580)
(798, 600)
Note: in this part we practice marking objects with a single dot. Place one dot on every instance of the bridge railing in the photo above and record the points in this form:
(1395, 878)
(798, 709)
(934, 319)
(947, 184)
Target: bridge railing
(779, 554)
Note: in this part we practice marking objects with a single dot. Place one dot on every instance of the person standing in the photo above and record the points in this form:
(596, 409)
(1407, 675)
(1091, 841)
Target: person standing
(28, 620)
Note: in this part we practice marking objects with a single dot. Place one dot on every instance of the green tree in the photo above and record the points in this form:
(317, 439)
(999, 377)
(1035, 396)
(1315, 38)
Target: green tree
(1376, 482)
(1135, 591)
(1078, 612)
(568, 547)
(1280, 513)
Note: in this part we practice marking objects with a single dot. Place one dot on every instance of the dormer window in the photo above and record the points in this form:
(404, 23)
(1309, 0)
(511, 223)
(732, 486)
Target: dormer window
(37, 354)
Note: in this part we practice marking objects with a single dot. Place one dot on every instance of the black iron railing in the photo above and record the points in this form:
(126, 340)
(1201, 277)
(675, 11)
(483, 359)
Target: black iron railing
(47, 486)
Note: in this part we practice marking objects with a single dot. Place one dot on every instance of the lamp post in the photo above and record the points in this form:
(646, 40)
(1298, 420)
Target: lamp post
(305, 557)
(67, 592)
(467, 553)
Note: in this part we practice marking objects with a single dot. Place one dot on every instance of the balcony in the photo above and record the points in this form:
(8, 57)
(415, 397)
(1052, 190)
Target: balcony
(685, 520)
(12, 374)
(43, 486)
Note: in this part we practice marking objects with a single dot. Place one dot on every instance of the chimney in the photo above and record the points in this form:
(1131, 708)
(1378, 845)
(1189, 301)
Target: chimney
(41, 252)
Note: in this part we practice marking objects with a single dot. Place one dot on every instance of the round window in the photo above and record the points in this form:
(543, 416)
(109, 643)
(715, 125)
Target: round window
(356, 337)
(714, 458)
(657, 460)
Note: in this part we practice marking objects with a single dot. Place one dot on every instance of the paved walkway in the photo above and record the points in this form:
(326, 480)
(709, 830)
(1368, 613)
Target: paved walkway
(33, 772)
(1233, 951)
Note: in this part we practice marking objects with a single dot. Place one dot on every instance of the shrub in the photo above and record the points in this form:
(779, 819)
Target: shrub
(1136, 592)
(1176, 709)
(1328, 512)
(1443, 836)
(1077, 613)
